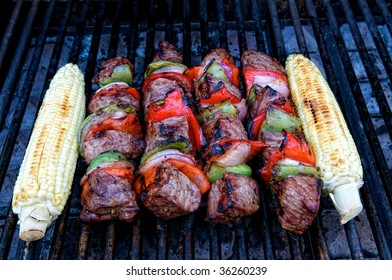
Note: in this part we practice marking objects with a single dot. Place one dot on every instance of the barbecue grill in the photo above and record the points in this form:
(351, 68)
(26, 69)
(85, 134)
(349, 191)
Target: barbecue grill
(349, 40)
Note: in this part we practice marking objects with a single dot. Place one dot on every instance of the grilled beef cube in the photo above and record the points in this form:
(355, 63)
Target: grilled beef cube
(223, 126)
(264, 97)
(172, 195)
(218, 54)
(167, 51)
(299, 198)
(107, 195)
(115, 70)
(232, 197)
(209, 84)
(157, 91)
(113, 140)
(168, 132)
(252, 60)
(116, 93)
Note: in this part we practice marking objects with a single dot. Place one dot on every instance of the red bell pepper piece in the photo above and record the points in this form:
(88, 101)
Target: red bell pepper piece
(185, 82)
(174, 106)
(293, 148)
(129, 124)
(219, 95)
(193, 73)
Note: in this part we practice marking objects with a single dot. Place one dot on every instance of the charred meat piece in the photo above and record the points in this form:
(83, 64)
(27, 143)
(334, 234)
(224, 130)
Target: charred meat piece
(223, 126)
(116, 93)
(157, 91)
(111, 129)
(107, 189)
(117, 69)
(232, 197)
(217, 54)
(172, 195)
(299, 199)
(169, 133)
(168, 52)
(253, 60)
(112, 140)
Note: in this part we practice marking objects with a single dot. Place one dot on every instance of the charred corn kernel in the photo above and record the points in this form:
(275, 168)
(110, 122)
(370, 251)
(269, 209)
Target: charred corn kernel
(327, 132)
(45, 176)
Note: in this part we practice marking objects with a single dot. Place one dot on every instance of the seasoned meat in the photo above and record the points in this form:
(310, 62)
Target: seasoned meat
(173, 195)
(274, 141)
(223, 126)
(210, 84)
(167, 131)
(112, 140)
(231, 198)
(108, 67)
(113, 95)
(108, 197)
(264, 97)
(299, 199)
(217, 54)
(167, 51)
(253, 60)
(157, 90)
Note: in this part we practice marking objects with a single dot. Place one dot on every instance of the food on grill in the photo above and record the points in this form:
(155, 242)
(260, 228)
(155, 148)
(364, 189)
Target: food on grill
(109, 137)
(234, 194)
(119, 94)
(327, 132)
(111, 128)
(287, 164)
(170, 182)
(107, 189)
(45, 176)
(117, 69)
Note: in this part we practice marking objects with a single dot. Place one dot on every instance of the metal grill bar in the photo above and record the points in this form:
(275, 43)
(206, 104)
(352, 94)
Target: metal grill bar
(9, 32)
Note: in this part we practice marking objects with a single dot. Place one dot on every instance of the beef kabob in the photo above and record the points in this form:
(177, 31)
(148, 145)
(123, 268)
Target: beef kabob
(234, 194)
(110, 139)
(170, 182)
(288, 163)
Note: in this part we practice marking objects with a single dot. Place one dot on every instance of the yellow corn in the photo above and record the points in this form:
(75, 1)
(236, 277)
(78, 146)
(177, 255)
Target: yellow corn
(326, 131)
(45, 176)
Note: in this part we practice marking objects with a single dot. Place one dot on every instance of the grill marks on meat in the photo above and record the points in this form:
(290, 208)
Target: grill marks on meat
(112, 140)
(168, 131)
(298, 196)
(253, 60)
(298, 202)
(172, 195)
(167, 51)
(232, 197)
(223, 126)
(119, 97)
(107, 188)
(108, 197)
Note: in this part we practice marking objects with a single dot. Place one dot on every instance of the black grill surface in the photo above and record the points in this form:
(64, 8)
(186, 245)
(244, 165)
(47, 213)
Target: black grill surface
(349, 40)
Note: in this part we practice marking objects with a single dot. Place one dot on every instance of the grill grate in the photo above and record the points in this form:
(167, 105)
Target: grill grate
(351, 42)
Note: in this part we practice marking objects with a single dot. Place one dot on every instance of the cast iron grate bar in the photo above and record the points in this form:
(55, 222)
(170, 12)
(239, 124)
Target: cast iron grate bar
(368, 64)
(9, 32)
(14, 70)
(383, 8)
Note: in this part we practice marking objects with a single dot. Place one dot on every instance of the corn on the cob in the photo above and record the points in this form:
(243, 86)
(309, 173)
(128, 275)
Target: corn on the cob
(45, 177)
(326, 131)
